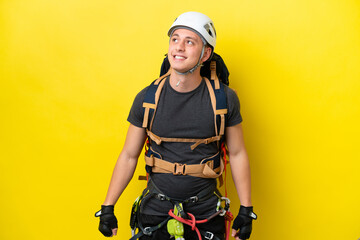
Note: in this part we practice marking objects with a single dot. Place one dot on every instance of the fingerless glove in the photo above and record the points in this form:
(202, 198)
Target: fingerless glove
(243, 221)
(108, 220)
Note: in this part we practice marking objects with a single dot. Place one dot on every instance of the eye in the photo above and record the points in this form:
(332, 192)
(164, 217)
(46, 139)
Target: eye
(174, 40)
(189, 42)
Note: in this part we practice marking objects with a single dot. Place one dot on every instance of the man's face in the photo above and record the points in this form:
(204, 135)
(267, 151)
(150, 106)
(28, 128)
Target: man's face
(185, 49)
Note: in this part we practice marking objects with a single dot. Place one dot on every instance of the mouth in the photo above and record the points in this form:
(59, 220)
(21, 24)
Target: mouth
(178, 57)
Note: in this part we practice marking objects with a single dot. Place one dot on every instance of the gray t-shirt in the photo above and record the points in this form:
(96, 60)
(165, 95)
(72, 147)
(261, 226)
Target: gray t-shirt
(184, 115)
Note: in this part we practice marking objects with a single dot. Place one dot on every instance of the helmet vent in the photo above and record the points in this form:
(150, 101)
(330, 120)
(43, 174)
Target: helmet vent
(208, 27)
(212, 25)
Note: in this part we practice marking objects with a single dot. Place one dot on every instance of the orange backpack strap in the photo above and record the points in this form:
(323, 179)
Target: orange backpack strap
(197, 141)
(220, 96)
(151, 99)
(205, 169)
(219, 105)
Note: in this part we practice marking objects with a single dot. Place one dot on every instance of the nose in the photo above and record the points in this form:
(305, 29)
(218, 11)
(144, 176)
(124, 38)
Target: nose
(180, 46)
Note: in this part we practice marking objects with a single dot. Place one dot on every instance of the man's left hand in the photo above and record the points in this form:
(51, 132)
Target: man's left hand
(243, 221)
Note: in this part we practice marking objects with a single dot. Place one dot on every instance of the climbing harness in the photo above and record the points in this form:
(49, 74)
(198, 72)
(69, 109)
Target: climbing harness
(178, 212)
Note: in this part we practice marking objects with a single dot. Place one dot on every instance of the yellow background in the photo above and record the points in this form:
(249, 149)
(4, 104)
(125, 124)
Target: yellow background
(70, 70)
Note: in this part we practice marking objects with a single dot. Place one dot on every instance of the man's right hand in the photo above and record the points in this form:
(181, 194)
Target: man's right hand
(108, 223)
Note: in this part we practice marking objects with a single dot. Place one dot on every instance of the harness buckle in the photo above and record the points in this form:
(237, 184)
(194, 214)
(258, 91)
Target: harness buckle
(193, 199)
(161, 197)
(209, 235)
(147, 231)
(179, 169)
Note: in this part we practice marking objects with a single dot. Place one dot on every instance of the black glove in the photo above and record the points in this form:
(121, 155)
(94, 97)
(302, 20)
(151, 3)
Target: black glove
(244, 221)
(108, 220)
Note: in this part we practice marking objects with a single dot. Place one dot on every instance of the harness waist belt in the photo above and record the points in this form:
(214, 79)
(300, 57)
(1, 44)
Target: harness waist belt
(203, 195)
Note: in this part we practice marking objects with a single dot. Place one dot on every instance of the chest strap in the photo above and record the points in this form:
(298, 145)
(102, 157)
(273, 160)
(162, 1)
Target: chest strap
(197, 141)
(203, 170)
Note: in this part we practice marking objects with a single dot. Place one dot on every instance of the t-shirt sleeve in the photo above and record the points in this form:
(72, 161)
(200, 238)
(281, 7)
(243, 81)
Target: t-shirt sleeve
(233, 117)
(136, 114)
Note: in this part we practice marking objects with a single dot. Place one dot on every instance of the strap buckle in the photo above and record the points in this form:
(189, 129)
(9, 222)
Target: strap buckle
(179, 169)
(193, 199)
(209, 235)
(147, 231)
(161, 197)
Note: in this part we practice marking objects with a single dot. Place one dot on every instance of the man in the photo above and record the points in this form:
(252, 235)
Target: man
(184, 113)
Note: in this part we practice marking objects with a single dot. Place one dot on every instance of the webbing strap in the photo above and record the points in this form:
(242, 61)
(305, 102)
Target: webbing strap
(213, 74)
(206, 141)
(208, 235)
(147, 107)
(149, 230)
(163, 76)
(150, 102)
(204, 170)
(203, 195)
(220, 112)
(222, 126)
(157, 96)
(158, 140)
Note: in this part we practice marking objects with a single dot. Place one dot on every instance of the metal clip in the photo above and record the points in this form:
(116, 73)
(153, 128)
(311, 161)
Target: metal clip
(161, 197)
(98, 213)
(227, 203)
(209, 235)
(147, 231)
(226, 208)
(193, 199)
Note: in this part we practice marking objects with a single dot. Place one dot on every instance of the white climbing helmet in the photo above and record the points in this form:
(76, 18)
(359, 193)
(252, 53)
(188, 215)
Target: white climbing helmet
(199, 22)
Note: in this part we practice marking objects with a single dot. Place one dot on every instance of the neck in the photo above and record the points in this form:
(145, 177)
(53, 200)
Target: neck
(185, 83)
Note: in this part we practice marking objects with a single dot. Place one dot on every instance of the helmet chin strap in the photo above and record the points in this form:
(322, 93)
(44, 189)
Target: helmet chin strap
(196, 66)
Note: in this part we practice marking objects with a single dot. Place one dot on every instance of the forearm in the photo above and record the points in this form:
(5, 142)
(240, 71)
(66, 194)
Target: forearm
(122, 174)
(126, 164)
(240, 169)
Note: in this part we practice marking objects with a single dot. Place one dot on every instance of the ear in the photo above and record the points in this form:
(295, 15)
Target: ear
(207, 54)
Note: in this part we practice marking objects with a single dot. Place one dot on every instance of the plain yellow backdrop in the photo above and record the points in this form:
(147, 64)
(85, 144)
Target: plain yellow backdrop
(70, 70)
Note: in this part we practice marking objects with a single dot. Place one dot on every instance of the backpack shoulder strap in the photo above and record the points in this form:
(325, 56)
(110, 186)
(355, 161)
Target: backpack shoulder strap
(219, 105)
(218, 100)
(151, 100)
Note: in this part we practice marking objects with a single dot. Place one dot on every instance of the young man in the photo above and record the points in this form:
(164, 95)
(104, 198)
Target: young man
(184, 114)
